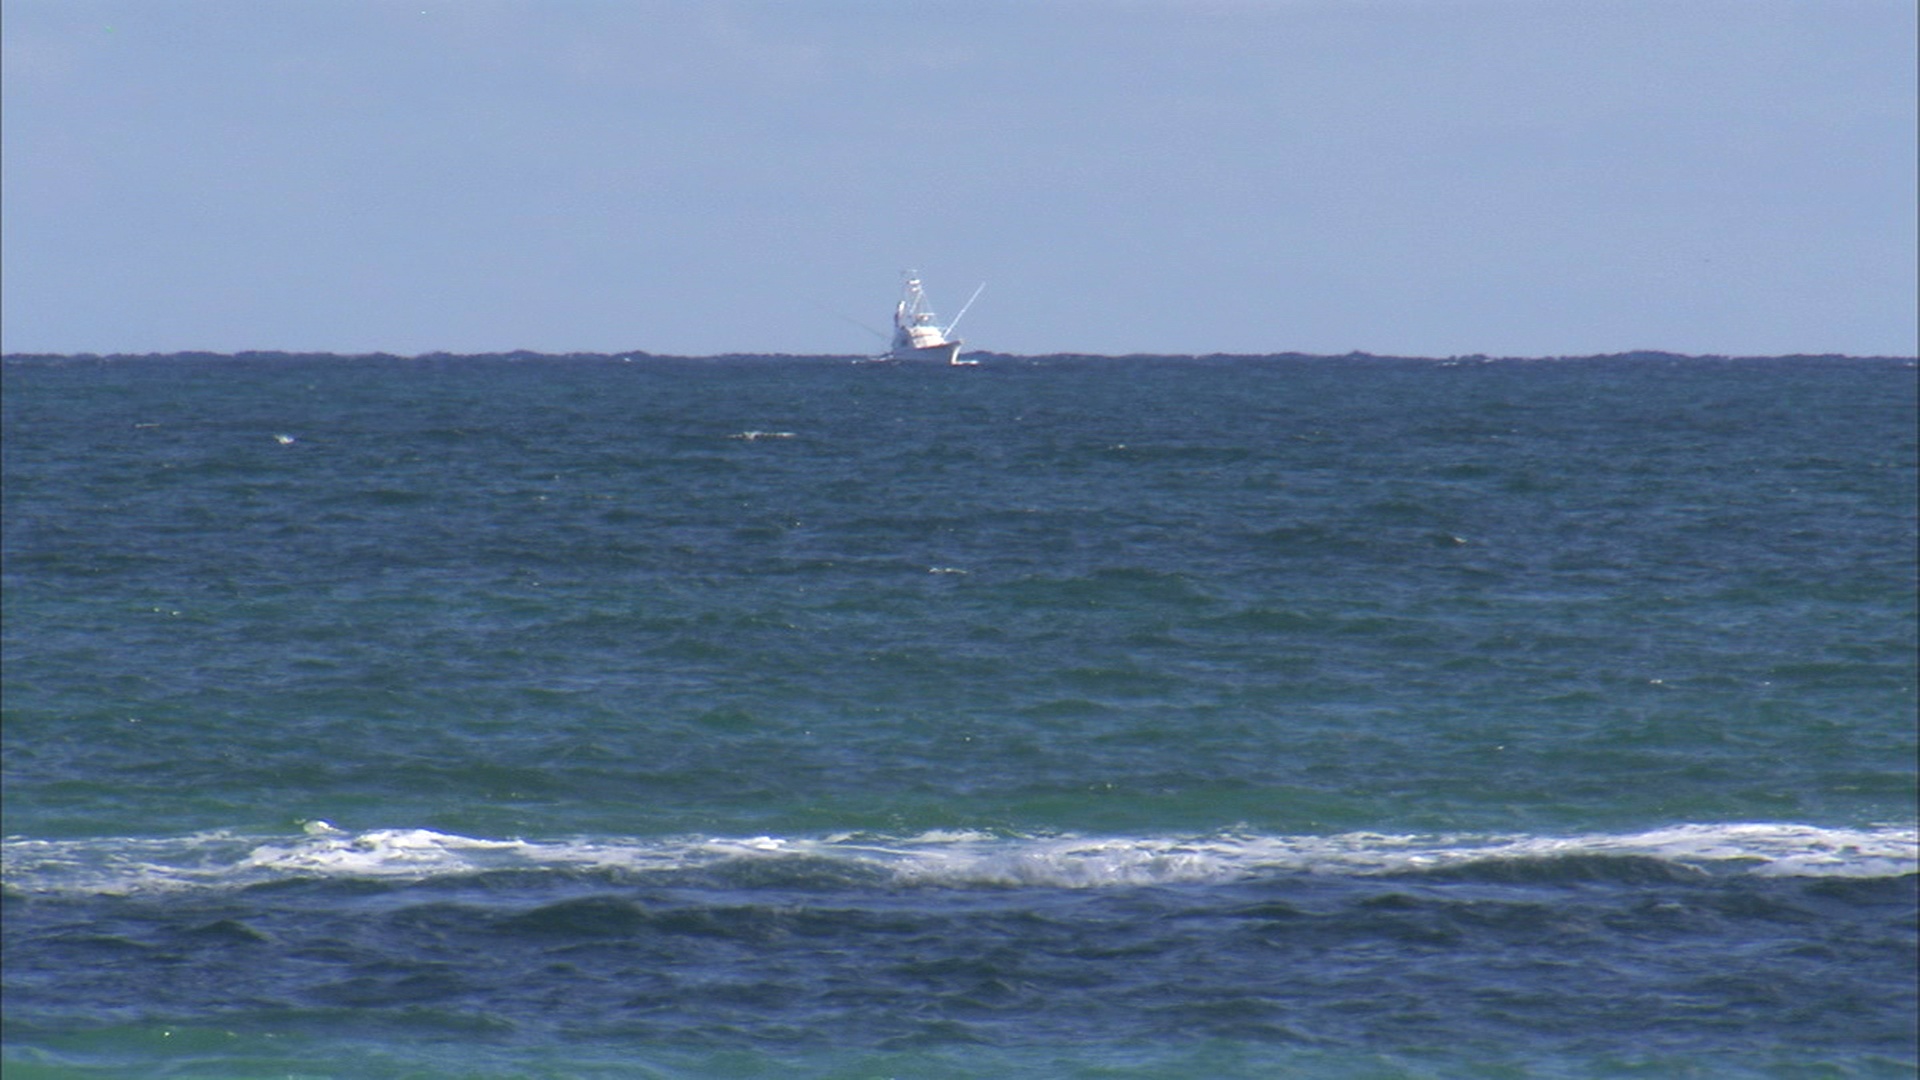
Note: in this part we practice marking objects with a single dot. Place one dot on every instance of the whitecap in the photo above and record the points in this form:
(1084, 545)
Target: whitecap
(945, 858)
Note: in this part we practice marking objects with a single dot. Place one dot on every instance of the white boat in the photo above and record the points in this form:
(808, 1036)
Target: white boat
(916, 336)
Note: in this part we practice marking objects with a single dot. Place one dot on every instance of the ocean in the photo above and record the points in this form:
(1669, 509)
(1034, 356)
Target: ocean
(629, 716)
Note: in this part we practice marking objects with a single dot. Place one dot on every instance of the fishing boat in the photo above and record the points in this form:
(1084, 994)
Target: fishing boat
(917, 336)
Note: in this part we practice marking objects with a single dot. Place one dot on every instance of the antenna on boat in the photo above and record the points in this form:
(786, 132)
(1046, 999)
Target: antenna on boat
(963, 309)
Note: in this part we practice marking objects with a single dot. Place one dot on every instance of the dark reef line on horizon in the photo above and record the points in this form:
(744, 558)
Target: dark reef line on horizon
(525, 355)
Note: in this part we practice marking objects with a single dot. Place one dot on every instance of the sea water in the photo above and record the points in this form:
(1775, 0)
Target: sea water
(1080, 717)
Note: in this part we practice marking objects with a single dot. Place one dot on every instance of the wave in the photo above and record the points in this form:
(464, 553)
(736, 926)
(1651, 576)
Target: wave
(214, 860)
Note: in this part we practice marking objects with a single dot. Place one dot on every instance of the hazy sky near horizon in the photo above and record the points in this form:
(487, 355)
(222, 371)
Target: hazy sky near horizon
(1410, 177)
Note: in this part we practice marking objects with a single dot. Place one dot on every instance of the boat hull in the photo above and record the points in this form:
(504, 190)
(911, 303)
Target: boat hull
(947, 352)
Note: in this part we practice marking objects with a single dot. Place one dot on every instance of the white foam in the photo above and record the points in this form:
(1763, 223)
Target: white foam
(958, 859)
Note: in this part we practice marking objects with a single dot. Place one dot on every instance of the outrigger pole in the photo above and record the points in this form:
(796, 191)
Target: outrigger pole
(963, 310)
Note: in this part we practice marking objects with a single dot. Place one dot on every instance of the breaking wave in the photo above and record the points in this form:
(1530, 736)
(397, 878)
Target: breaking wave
(954, 859)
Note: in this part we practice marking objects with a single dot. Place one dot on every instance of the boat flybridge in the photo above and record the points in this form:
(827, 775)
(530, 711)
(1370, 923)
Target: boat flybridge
(916, 336)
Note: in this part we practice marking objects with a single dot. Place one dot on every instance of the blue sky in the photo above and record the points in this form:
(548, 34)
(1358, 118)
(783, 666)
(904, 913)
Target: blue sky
(1413, 177)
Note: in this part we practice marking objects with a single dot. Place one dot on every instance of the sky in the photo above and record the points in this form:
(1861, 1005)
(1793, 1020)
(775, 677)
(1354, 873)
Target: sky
(704, 177)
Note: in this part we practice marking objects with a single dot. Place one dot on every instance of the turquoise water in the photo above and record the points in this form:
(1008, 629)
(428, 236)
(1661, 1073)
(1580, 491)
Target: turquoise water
(1116, 717)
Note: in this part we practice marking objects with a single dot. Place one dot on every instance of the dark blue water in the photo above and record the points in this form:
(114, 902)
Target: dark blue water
(1079, 717)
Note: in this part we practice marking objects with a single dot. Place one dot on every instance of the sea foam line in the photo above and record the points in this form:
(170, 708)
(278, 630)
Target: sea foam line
(948, 859)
